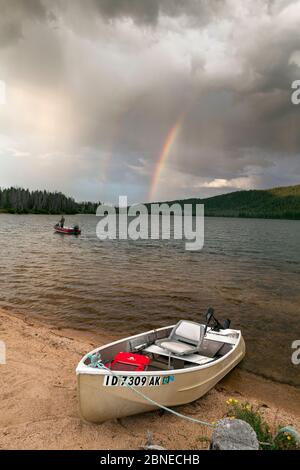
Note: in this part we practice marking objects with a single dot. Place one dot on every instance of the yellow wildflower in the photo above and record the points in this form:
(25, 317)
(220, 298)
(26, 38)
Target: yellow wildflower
(288, 437)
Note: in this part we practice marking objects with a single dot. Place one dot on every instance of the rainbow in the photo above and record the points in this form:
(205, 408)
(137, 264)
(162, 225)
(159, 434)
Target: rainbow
(166, 148)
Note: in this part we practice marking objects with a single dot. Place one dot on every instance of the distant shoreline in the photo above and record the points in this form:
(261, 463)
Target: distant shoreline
(12, 212)
(281, 203)
(224, 216)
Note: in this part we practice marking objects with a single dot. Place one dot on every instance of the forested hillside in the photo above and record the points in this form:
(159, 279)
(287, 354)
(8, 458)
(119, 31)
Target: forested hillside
(22, 201)
(276, 203)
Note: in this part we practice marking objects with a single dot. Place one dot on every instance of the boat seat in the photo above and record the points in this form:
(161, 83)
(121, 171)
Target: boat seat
(191, 358)
(185, 338)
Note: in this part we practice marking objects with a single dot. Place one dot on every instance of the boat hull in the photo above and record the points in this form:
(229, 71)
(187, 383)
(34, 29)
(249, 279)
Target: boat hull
(67, 231)
(98, 402)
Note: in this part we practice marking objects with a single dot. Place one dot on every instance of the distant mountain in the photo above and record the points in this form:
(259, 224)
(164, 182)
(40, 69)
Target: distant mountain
(276, 203)
(23, 201)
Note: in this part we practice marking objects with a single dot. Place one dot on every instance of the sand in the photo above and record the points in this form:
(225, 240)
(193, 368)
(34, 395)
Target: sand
(38, 400)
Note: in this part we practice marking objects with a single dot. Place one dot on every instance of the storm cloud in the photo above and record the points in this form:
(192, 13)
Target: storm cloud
(93, 89)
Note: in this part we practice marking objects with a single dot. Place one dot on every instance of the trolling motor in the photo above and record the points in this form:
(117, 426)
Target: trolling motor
(216, 326)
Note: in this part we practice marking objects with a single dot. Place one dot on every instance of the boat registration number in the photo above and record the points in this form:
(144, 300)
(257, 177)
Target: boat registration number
(137, 380)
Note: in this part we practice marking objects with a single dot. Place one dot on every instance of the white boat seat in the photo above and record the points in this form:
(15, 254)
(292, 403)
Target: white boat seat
(191, 358)
(185, 338)
(176, 347)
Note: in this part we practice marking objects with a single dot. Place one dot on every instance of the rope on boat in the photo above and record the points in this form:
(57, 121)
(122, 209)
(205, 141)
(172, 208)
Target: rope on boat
(176, 413)
(153, 402)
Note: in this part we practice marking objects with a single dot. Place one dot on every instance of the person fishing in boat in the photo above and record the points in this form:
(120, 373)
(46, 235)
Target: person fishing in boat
(60, 227)
(62, 221)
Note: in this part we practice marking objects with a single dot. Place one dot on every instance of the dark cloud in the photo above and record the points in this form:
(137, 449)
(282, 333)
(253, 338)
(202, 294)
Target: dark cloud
(10, 32)
(14, 13)
(85, 81)
(145, 12)
(35, 9)
(148, 11)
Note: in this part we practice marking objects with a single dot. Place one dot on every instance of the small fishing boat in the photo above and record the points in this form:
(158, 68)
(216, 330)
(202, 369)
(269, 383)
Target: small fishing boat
(170, 366)
(67, 230)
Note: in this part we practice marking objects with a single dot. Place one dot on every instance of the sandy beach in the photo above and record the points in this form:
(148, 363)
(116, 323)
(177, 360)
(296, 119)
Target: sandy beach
(38, 398)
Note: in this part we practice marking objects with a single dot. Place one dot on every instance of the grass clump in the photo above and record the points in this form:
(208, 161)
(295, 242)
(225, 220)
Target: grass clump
(285, 441)
(253, 416)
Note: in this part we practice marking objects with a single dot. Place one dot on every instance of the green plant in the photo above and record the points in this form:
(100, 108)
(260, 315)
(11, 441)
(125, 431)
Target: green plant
(253, 416)
(285, 441)
(203, 439)
(202, 442)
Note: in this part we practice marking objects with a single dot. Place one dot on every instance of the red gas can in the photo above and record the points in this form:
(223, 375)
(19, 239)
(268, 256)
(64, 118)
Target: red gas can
(129, 361)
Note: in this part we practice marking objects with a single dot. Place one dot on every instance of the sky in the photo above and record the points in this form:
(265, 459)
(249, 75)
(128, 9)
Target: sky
(153, 99)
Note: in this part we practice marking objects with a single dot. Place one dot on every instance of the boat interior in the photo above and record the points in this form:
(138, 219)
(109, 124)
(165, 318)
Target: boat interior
(212, 348)
(187, 344)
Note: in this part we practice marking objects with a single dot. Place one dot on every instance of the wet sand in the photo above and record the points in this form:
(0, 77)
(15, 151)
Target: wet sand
(38, 399)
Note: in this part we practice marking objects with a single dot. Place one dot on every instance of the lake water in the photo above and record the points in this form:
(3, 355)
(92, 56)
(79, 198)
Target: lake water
(249, 271)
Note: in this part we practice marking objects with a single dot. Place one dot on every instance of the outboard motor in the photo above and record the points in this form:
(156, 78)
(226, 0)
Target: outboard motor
(226, 324)
(216, 326)
(209, 315)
